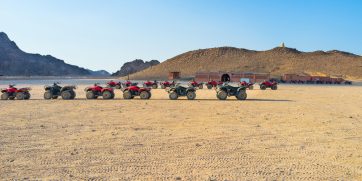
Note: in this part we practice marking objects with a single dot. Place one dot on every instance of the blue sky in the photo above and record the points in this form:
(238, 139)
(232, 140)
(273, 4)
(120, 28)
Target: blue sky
(104, 34)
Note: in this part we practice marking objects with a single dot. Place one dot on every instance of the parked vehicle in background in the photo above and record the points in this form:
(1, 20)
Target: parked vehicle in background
(224, 91)
(115, 85)
(153, 84)
(129, 83)
(193, 83)
(269, 84)
(53, 91)
(246, 82)
(212, 84)
(166, 84)
(12, 92)
(93, 92)
(178, 91)
(132, 91)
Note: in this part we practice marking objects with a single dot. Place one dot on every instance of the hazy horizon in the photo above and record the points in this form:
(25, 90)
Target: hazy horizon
(98, 35)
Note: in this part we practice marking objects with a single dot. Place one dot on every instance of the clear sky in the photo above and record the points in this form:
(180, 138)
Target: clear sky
(99, 34)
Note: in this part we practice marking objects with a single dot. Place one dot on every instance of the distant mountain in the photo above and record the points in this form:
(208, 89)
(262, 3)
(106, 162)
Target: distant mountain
(135, 66)
(100, 73)
(15, 62)
(276, 61)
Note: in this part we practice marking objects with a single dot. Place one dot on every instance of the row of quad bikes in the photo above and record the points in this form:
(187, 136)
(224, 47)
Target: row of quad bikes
(131, 90)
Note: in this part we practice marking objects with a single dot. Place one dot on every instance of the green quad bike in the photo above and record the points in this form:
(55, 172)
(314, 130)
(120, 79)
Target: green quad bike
(225, 90)
(54, 91)
(178, 90)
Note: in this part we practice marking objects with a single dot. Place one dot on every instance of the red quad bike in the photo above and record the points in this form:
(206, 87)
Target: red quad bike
(248, 85)
(153, 84)
(213, 83)
(12, 92)
(167, 84)
(129, 83)
(196, 84)
(132, 91)
(94, 91)
(269, 84)
(115, 85)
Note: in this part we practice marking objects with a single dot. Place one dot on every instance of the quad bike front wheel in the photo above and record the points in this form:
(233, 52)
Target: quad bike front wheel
(241, 95)
(27, 95)
(73, 94)
(90, 95)
(201, 86)
(274, 87)
(222, 95)
(20, 96)
(173, 95)
(251, 87)
(66, 95)
(262, 87)
(191, 95)
(4, 96)
(163, 86)
(209, 86)
(107, 95)
(154, 86)
(127, 95)
(48, 95)
(145, 95)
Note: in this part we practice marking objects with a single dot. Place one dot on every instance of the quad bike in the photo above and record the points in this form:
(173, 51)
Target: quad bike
(213, 83)
(95, 91)
(52, 92)
(269, 84)
(196, 84)
(129, 83)
(167, 84)
(224, 91)
(153, 84)
(178, 90)
(132, 91)
(115, 85)
(248, 85)
(12, 92)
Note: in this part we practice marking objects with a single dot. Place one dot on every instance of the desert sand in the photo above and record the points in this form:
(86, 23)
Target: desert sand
(294, 133)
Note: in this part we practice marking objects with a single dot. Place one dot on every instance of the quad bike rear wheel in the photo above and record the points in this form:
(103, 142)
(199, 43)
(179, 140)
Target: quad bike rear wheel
(241, 95)
(222, 95)
(66, 95)
(201, 86)
(209, 86)
(262, 87)
(48, 95)
(127, 95)
(90, 95)
(191, 95)
(145, 95)
(163, 86)
(20, 96)
(154, 86)
(274, 87)
(251, 87)
(107, 95)
(4, 96)
(173, 95)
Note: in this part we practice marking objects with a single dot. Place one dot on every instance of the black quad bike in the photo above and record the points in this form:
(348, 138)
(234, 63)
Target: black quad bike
(224, 91)
(178, 90)
(55, 90)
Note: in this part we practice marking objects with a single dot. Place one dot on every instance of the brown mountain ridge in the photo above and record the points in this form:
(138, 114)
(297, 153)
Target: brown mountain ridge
(277, 61)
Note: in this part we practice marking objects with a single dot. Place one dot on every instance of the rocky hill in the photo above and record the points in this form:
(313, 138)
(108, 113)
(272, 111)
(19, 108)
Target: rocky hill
(276, 61)
(15, 62)
(135, 66)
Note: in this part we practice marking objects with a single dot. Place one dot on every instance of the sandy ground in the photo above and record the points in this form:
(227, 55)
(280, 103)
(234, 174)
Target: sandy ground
(294, 133)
